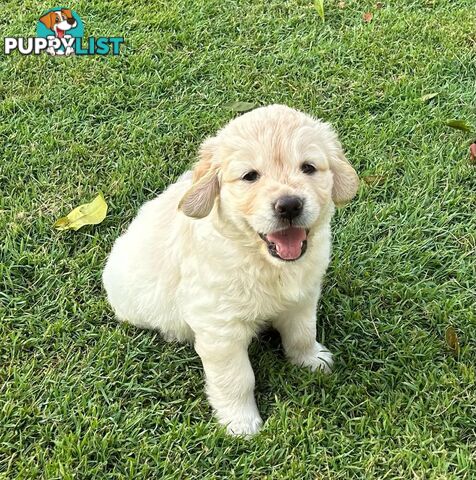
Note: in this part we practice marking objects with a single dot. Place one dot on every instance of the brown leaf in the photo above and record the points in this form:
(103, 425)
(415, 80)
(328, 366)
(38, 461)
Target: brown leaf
(367, 17)
(341, 5)
(378, 5)
(374, 179)
(452, 340)
(472, 154)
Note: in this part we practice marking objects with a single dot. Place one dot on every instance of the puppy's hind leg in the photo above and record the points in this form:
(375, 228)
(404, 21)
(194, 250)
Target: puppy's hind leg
(230, 382)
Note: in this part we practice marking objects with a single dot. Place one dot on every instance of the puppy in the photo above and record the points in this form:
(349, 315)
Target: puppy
(59, 21)
(241, 242)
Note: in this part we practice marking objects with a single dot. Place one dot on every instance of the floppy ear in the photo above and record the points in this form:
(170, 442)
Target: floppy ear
(48, 20)
(346, 180)
(198, 201)
(67, 12)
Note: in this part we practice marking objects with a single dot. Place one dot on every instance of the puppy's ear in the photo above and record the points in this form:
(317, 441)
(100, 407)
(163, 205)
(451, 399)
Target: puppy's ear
(48, 20)
(198, 201)
(67, 12)
(346, 180)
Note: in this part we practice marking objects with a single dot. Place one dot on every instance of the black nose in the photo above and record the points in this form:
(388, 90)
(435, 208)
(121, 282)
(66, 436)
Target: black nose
(71, 21)
(289, 207)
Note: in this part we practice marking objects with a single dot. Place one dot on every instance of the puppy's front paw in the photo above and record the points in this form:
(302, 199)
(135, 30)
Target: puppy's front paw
(317, 358)
(242, 420)
(245, 426)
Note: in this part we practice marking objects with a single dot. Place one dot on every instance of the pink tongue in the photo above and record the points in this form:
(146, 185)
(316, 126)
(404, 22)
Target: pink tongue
(288, 242)
(60, 32)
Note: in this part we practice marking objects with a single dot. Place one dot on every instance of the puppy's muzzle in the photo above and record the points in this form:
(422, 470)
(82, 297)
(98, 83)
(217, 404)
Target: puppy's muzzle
(71, 21)
(289, 207)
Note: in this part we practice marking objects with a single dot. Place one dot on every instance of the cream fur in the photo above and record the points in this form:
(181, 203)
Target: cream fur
(210, 280)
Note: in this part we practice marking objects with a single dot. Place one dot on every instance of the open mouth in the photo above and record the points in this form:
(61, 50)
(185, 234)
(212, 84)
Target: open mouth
(59, 32)
(288, 244)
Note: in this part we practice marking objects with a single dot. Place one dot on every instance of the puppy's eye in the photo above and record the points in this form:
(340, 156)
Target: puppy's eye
(308, 169)
(251, 176)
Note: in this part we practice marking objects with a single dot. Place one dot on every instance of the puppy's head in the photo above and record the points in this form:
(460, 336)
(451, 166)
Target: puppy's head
(272, 174)
(59, 21)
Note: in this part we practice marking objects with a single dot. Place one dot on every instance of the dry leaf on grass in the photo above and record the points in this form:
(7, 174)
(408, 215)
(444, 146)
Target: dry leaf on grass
(452, 340)
(374, 179)
(472, 154)
(428, 96)
(367, 17)
(87, 214)
(240, 106)
(459, 125)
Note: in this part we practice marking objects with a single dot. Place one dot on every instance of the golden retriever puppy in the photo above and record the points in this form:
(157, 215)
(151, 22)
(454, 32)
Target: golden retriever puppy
(241, 242)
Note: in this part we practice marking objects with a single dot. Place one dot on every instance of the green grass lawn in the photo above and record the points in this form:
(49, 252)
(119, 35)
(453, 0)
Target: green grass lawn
(84, 397)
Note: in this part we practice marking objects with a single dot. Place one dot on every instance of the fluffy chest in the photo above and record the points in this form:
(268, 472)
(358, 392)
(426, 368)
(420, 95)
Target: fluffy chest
(260, 293)
(251, 292)
(228, 282)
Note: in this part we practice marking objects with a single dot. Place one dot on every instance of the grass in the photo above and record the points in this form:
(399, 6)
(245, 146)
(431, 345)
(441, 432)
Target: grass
(84, 397)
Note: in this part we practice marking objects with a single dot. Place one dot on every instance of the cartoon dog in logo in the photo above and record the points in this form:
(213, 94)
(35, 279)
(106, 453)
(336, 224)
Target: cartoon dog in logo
(59, 22)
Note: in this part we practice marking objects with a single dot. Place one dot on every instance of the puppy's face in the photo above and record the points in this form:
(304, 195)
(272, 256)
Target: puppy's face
(277, 185)
(274, 172)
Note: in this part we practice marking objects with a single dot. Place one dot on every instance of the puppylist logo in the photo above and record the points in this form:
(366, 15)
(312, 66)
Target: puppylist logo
(60, 31)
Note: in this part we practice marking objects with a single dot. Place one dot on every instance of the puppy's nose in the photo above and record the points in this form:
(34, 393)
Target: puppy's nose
(71, 21)
(289, 207)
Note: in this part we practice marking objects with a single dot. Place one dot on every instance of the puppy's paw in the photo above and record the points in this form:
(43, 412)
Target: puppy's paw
(317, 358)
(243, 420)
(244, 426)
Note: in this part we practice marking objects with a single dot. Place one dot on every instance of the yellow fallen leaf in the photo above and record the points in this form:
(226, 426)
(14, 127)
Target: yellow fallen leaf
(429, 96)
(87, 214)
